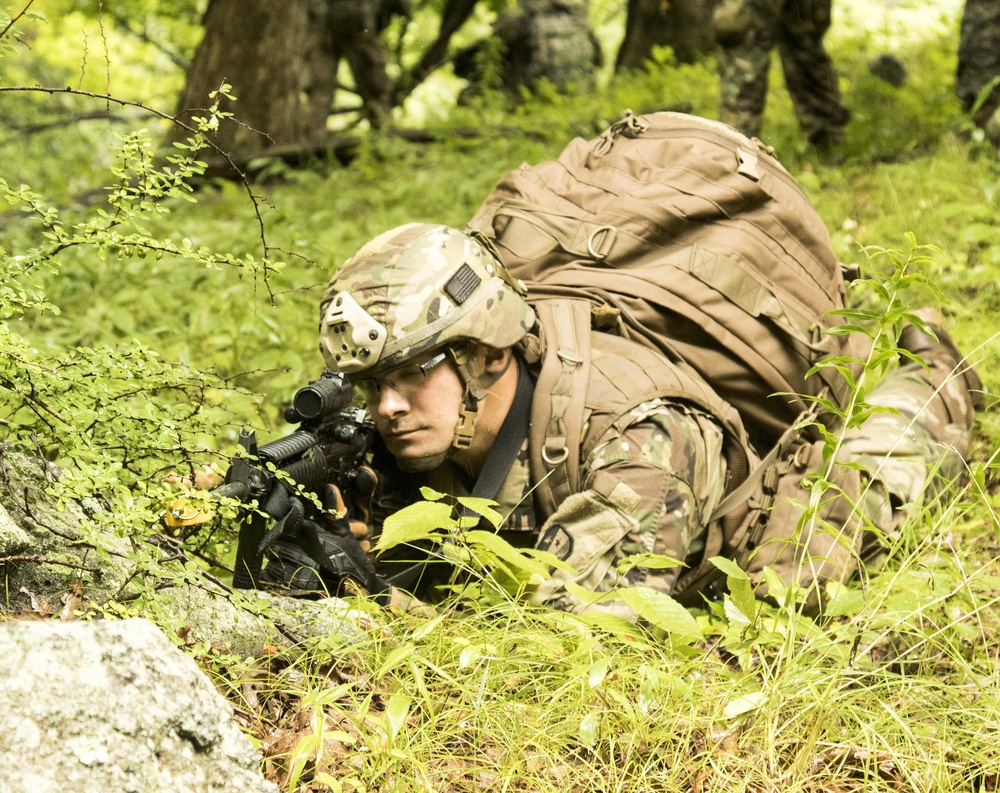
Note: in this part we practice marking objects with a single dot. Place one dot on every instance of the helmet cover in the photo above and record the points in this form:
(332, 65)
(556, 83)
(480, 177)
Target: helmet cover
(415, 288)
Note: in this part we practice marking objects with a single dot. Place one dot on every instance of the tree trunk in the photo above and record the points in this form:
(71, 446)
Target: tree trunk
(281, 69)
(683, 25)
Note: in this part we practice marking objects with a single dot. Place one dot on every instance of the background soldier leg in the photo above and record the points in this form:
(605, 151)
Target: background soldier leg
(744, 63)
(809, 74)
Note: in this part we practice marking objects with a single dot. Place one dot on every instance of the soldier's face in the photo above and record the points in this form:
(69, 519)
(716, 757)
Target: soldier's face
(418, 422)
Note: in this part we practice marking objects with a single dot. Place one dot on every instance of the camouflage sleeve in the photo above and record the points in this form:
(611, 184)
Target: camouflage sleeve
(648, 490)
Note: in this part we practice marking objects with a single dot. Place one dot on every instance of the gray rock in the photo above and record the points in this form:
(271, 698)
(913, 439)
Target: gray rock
(32, 524)
(243, 623)
(113, 706)
(13, 539)
(52, 555)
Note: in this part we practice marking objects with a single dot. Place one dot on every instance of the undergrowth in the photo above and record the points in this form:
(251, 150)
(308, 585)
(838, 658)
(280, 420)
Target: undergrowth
(139, 336)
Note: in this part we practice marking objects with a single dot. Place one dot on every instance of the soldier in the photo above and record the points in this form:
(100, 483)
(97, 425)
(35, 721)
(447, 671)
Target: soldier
(444, 350)
(747, 31)
(979, 64)
(352, 33)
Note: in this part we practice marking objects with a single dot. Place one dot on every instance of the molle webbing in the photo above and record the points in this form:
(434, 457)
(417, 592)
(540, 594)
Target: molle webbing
(558, 420)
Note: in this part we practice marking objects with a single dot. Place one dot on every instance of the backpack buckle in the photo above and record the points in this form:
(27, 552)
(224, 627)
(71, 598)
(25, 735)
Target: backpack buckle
(601, 241)
(747, 164)
(555, 459)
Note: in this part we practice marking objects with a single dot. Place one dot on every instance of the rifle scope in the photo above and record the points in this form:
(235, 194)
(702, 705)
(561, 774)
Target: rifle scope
(319, 398)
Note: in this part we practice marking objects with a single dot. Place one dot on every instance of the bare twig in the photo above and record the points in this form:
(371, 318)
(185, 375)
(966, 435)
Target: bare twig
(109, 99)
(34, 557)
(36, 401)
(65, 121)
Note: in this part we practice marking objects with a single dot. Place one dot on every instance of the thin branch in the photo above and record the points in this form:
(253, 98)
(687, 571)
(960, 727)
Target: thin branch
(31, 129)
(36, 401)
(33, 557)
(108, 98)
(13, 20)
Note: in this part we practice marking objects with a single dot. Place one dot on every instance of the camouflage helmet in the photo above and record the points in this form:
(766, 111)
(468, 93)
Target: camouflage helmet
(414, 288)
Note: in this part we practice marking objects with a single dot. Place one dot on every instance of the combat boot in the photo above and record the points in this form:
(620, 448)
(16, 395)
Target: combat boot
(959, 386)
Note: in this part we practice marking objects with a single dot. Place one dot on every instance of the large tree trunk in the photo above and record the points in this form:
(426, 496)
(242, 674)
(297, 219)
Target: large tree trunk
(684, 25)
(281, 69)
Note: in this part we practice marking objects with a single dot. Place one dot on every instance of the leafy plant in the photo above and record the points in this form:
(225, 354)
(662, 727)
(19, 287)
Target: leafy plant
(152, 364)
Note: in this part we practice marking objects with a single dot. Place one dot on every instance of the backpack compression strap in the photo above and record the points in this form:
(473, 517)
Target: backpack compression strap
(564, 376)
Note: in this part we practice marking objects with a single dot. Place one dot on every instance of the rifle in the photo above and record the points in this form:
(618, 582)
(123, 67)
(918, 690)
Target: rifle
(329, 447)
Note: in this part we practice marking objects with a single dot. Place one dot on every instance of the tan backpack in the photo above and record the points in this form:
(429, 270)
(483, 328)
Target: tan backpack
(692, 239)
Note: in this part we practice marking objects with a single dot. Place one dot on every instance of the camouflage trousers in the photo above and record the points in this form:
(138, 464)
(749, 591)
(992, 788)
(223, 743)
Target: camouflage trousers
(747, 31)
(914, 449)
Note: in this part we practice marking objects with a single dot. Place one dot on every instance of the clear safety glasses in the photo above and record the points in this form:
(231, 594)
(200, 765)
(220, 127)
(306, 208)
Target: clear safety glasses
(404, 380)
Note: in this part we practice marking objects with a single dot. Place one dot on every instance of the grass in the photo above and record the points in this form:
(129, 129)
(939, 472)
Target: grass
(898, 693)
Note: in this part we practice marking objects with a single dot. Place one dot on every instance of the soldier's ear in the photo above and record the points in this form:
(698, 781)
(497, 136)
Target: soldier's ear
(495, 360)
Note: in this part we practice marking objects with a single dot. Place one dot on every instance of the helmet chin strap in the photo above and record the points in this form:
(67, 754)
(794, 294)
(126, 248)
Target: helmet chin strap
(472, 372)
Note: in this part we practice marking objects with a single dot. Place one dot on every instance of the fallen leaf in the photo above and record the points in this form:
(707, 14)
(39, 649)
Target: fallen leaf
(38, 605)
(73, 603)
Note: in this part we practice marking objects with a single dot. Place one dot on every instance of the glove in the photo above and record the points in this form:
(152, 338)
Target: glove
(321, 562)
(358, 518)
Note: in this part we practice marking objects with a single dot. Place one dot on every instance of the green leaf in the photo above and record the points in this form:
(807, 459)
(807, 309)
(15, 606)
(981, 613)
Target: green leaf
(588, 597)
(421, 521)
(744, 704)
(496, 545)
(428, 627)
(328, 696)
(842, 601)
(483, 507)
(396, 657)
(549, 559)
(660, 610)
(729, 567)
(652, 561)
(597, 672)
(468, 656)
(609, 623)
(430, 494)
(396, 711)
(741, 593)
(588, 729)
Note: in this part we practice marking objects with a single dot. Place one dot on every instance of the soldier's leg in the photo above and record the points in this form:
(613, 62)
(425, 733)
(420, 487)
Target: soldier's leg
(979, 63)
(746, 31)
(366, 56)
(920, 447)
(809, 73)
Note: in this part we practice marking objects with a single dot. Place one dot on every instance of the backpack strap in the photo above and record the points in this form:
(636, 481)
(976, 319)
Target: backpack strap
(557, 422)
(563, 430)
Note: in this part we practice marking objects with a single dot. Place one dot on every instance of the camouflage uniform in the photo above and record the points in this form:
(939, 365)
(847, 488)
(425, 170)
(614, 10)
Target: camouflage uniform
(671, 457)
(548, 39)
(747, 31)
(979, 62)
(916, 449)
